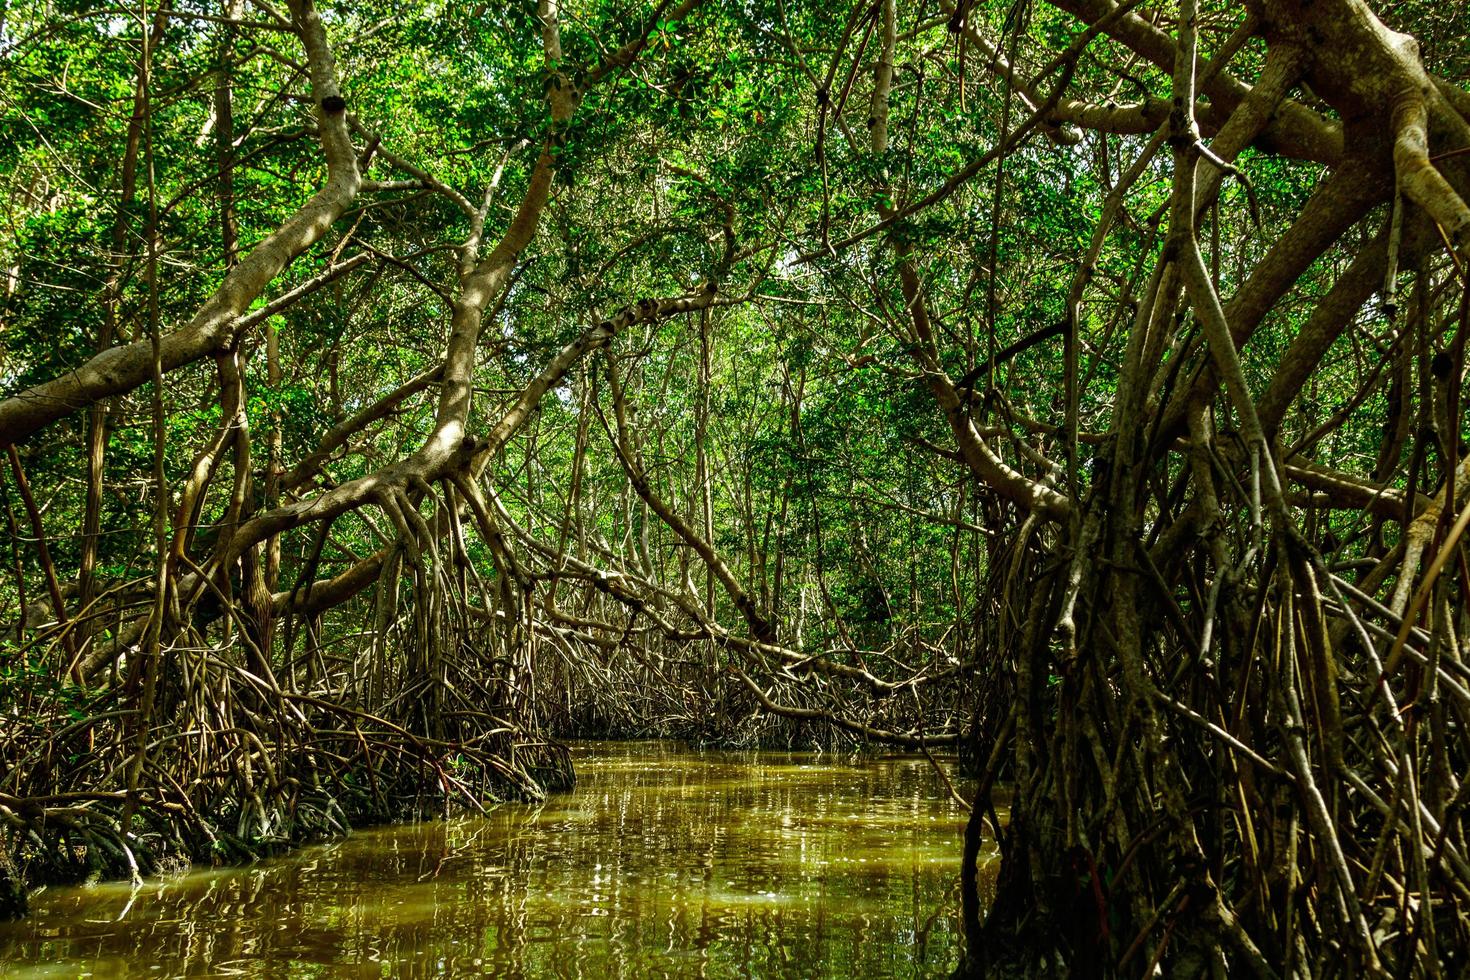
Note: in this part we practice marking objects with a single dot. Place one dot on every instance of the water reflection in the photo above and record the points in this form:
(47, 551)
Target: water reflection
(665, 862)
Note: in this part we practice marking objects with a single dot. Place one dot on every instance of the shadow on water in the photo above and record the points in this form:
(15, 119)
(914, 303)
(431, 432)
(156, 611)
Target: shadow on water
(665, 862)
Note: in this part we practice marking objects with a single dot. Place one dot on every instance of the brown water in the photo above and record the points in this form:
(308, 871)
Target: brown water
(664, 862)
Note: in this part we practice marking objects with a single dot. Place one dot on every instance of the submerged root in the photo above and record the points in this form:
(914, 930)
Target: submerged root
(236, 768)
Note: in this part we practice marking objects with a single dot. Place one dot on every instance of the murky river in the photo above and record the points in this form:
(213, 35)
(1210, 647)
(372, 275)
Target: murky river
(664, 862)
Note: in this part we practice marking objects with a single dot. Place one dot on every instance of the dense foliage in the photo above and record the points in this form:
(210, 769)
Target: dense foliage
(394, 389)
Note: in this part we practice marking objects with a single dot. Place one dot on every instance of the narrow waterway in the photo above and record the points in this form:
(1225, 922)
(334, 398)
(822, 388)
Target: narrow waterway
(664, 862)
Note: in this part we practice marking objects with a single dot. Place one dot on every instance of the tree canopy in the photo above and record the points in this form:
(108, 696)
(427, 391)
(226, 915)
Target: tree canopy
(392, 390)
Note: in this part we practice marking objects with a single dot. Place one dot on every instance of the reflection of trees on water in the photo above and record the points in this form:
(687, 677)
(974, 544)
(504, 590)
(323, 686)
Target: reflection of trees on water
(662, 863)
